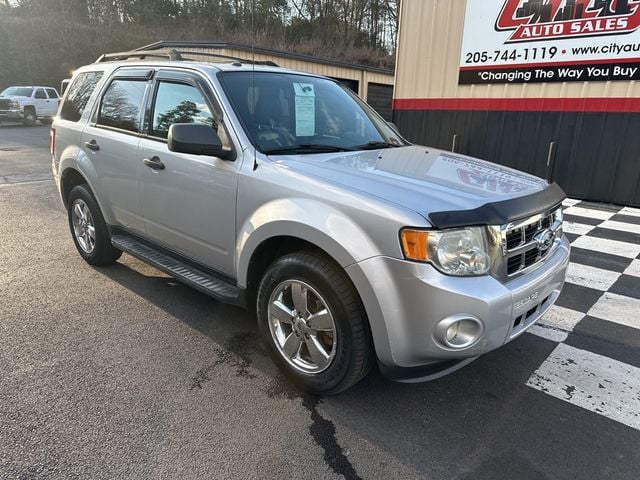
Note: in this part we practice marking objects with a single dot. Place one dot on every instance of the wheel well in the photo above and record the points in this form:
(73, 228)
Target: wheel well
(70, 179)
(268, 252)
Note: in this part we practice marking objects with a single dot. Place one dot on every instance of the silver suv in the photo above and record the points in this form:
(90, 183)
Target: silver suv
(283, 192)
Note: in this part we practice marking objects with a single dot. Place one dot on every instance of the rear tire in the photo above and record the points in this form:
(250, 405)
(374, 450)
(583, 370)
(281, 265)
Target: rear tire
(30, 117)
(88, 228)
(322, 341)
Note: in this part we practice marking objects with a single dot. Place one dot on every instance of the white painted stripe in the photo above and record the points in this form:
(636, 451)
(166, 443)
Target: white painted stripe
(590, 213)
(31, 182)
(561, 318)
(618, 309)
(613, 247)
(570, 202)
(631, 211)
(621, 226)
(556, 324)
(549, 333)
(634, 269)
(577, 228)
(591, 381)
(591, 277)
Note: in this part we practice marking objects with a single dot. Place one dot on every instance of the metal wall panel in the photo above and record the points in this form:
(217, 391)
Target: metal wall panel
(597, 155)
(593, 124)
(428, 60)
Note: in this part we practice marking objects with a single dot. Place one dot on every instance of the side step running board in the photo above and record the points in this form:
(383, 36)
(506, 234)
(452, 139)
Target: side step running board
(206, 283)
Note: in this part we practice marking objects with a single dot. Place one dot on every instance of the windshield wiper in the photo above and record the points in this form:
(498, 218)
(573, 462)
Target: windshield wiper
(375, 145)
(307, 148)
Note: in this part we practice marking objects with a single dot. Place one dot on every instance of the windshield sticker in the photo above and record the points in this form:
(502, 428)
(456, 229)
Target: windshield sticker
(305, 109)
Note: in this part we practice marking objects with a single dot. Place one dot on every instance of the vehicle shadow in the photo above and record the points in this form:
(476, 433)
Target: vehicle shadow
(480, 422)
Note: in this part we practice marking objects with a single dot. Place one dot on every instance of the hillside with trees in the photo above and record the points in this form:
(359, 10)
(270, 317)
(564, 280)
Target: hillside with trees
(44, 40)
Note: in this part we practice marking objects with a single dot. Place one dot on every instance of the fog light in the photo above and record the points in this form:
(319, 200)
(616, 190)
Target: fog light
(459, 332)
(452, 332)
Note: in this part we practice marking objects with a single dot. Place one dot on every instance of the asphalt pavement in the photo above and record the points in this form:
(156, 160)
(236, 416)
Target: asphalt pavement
(122, 372)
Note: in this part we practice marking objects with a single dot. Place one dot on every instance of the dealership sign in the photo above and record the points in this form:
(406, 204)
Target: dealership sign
(528, 41)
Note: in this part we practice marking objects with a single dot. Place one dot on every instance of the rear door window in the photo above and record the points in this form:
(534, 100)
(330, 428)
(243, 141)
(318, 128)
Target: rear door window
(121, 105)
(52, 93)
(78, 95)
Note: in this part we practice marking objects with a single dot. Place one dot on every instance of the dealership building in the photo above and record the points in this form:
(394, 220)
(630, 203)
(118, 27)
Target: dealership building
(373, 84)
(545, 86)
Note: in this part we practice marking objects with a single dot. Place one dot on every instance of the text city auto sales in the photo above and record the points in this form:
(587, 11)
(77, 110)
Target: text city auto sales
(576, 27)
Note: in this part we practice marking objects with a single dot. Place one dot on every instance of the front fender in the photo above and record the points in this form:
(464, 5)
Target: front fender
(329, 230)
(306, 219)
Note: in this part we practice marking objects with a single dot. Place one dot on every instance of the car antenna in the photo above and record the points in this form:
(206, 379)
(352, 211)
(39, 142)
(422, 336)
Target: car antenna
(253, 79)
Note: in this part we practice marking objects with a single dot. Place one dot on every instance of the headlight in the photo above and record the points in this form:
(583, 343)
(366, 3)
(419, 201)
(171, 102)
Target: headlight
(460, 252)
(15, 104)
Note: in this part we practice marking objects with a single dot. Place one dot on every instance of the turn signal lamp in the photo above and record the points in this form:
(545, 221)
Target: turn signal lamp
(414, 244)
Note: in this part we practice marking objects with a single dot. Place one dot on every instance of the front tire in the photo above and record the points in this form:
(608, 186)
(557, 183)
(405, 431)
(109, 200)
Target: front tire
(314, 323)
(29, 117)
(88, 228)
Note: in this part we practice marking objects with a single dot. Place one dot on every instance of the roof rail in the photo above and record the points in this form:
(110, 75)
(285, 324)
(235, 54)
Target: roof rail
(114, 57)
(268, 63)
(174, 55)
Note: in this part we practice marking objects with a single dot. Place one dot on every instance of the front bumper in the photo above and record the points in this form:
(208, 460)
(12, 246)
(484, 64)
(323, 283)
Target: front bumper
(405, 301)
(15, 115)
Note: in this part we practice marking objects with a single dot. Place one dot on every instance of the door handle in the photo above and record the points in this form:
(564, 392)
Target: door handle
(154, 162)
(92, 145)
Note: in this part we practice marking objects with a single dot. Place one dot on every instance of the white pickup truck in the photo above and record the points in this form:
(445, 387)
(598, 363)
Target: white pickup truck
(29, 104)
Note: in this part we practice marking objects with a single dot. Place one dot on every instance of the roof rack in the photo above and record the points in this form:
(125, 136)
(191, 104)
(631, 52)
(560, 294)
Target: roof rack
(250, 49)
(175, 55)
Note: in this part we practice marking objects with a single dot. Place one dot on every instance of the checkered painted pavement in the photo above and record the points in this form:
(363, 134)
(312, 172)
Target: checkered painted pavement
(596, 320)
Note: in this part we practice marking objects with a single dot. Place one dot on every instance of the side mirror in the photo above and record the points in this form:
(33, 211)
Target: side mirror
(196, 139)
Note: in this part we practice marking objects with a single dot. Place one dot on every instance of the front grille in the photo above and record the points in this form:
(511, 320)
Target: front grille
(5, 103)
(524, 243)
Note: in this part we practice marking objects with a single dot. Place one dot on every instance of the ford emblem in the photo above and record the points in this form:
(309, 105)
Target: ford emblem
(544, 239)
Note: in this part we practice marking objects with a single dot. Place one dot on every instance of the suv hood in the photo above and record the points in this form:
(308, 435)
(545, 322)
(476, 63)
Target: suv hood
(422, 179)
(15, 97)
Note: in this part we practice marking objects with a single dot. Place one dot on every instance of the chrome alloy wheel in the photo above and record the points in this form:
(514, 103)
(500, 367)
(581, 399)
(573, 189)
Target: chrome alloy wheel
(83, 227)
(302, 327)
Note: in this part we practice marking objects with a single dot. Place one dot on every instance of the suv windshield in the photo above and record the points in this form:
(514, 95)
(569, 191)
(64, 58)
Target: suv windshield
(287, 114)
(17, 92)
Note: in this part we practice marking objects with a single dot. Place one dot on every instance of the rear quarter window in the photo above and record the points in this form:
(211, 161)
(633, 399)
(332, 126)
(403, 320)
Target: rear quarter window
(78, 95)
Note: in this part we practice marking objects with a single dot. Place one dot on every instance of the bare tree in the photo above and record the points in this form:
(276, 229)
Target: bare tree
(43, 40)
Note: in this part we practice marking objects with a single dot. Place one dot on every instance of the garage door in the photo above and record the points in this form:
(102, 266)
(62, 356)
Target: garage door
(352, 85)
(380, 97)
